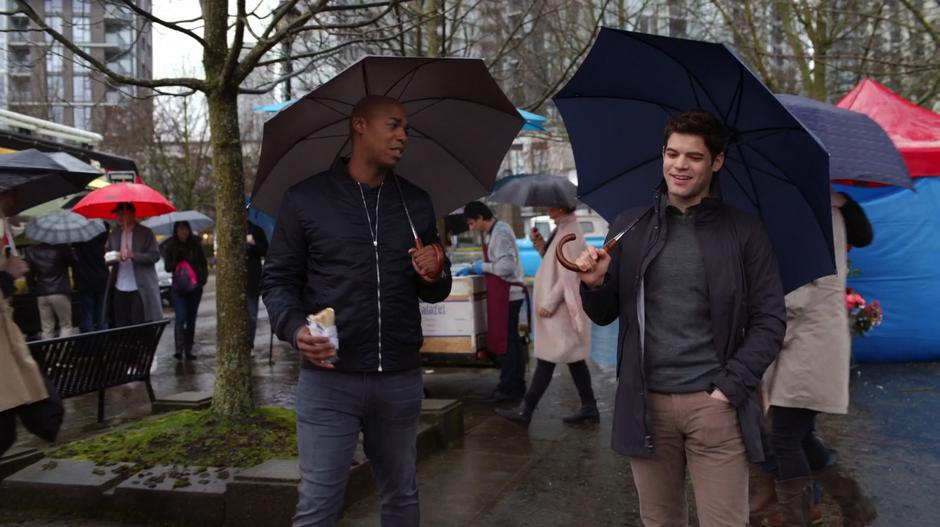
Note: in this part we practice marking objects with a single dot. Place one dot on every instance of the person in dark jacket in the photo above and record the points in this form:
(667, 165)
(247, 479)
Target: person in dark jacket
(343, 241)
(48, 278)
(256, 246)
(700, 302)
(91, 282)
(185, 247)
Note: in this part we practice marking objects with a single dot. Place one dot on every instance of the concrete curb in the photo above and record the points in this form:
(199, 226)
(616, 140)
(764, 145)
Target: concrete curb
(265, 494)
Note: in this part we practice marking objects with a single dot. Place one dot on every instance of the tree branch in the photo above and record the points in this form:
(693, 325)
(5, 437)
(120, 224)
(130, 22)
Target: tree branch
(169, 25)
(231, 60)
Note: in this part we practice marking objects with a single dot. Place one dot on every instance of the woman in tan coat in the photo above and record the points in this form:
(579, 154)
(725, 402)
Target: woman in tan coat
(20, 380)
(562, 329)
(811, 373)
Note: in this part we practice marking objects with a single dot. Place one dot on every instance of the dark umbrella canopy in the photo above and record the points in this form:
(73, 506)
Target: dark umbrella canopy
(461, 125)
(38, 177)
(859, 149)
(536, 190)
(615, 109)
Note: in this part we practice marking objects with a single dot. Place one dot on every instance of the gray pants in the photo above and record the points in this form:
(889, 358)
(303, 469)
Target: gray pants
(53, 308)
(332, 408)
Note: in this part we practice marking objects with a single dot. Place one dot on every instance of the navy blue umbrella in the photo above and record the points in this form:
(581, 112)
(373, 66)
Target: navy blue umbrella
(859, 148)
(615, 109)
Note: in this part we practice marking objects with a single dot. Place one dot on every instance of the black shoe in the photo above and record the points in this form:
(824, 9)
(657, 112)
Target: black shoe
(190, 356)
(521, 414)
(178, 356)
(502, 397)
(586, 414)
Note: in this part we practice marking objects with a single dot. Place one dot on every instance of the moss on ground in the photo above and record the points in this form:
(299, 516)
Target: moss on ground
(195, 438)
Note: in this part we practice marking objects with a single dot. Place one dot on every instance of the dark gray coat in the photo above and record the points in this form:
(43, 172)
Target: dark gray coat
(748, 314)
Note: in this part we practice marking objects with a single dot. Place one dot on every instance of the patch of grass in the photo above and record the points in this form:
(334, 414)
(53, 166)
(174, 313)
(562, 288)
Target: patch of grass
(194, 438)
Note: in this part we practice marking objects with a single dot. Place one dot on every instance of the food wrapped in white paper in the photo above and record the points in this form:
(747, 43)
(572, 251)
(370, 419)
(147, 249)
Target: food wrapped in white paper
(323, 324)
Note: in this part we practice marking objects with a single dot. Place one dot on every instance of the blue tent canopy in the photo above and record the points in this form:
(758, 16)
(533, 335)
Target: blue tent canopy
(900, 269)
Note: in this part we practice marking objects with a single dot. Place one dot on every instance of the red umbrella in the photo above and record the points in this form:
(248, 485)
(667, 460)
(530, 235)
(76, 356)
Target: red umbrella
(101, 203)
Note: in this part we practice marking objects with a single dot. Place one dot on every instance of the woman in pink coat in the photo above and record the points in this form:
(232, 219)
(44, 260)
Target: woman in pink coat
(562, 330)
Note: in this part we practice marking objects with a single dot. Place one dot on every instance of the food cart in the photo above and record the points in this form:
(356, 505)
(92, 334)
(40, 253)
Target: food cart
(455, 329)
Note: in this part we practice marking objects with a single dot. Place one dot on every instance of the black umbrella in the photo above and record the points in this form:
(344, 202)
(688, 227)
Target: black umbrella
(461, 125)
(615, 108)
(859, 149)
(37, 177)
(536, 190)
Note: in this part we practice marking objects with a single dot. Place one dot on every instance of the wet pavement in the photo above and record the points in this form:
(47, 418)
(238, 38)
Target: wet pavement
(550, 473)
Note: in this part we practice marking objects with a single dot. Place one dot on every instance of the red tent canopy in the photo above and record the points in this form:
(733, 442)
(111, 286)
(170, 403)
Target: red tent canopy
(914, 130)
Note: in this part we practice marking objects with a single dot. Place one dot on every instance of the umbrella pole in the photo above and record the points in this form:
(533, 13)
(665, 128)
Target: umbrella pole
(438, 250)
(609, 246)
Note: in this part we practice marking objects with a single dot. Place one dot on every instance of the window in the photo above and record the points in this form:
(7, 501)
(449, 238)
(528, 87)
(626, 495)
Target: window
(54, 59)
(57, 114)
(81, 117)
(81, 8)
(586, 226)
(54, 22)
(81, 88)
(81, 29)
(20, 27)
(55, 89)
(53, 6)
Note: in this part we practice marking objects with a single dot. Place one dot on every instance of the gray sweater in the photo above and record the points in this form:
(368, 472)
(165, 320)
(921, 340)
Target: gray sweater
(503, 254)
(680, 352)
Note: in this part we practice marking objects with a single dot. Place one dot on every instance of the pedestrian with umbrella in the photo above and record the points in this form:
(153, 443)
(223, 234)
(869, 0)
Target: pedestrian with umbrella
(355, 171)
(740, 214)
(50, 261)
(562, 330)
(184, 258)
(811, 374)
(135, 290)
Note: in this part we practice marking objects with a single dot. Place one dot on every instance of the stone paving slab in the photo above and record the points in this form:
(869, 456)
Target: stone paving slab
(180, 495)
(61, 484)
(190, 400)
(18, 458)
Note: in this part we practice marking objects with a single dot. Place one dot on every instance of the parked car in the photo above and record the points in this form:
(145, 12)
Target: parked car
(165, 279)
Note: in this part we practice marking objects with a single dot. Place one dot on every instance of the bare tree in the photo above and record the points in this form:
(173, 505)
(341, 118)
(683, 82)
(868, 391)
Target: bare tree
(233, 45)
(179, 160)
(821, 48)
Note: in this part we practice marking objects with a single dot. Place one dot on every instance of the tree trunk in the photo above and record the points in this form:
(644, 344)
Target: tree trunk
(233, 391)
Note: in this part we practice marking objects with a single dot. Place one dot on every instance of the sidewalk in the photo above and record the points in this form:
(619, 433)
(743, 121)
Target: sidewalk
(551, 474)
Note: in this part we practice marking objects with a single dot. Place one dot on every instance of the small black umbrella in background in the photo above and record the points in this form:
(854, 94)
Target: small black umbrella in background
(536, 190)
(38, 177)
(460, 127)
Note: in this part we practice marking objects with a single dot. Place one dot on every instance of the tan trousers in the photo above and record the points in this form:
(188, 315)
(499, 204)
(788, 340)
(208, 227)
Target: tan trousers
(696, 431)
(52, 308)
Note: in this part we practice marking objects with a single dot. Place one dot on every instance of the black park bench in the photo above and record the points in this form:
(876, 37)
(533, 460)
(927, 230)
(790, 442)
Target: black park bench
(95, 361)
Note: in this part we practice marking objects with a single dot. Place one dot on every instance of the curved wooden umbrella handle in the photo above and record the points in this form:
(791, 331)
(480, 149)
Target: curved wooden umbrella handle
(568, 264)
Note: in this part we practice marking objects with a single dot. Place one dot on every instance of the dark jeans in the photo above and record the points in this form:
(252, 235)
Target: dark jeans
(185, 308)
(332, 408)
(252, 316)
(128, 308)
(91, 311)
(543, 377)
(791, 434)
(512, 373)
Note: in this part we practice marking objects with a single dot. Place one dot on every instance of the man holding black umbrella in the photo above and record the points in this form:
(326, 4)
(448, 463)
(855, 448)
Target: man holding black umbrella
(345, 239)
(697, 290)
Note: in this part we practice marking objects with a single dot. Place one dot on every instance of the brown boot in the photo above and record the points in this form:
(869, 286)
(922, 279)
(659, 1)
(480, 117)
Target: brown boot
(795, 499)
(857, 509)
(762, 498)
